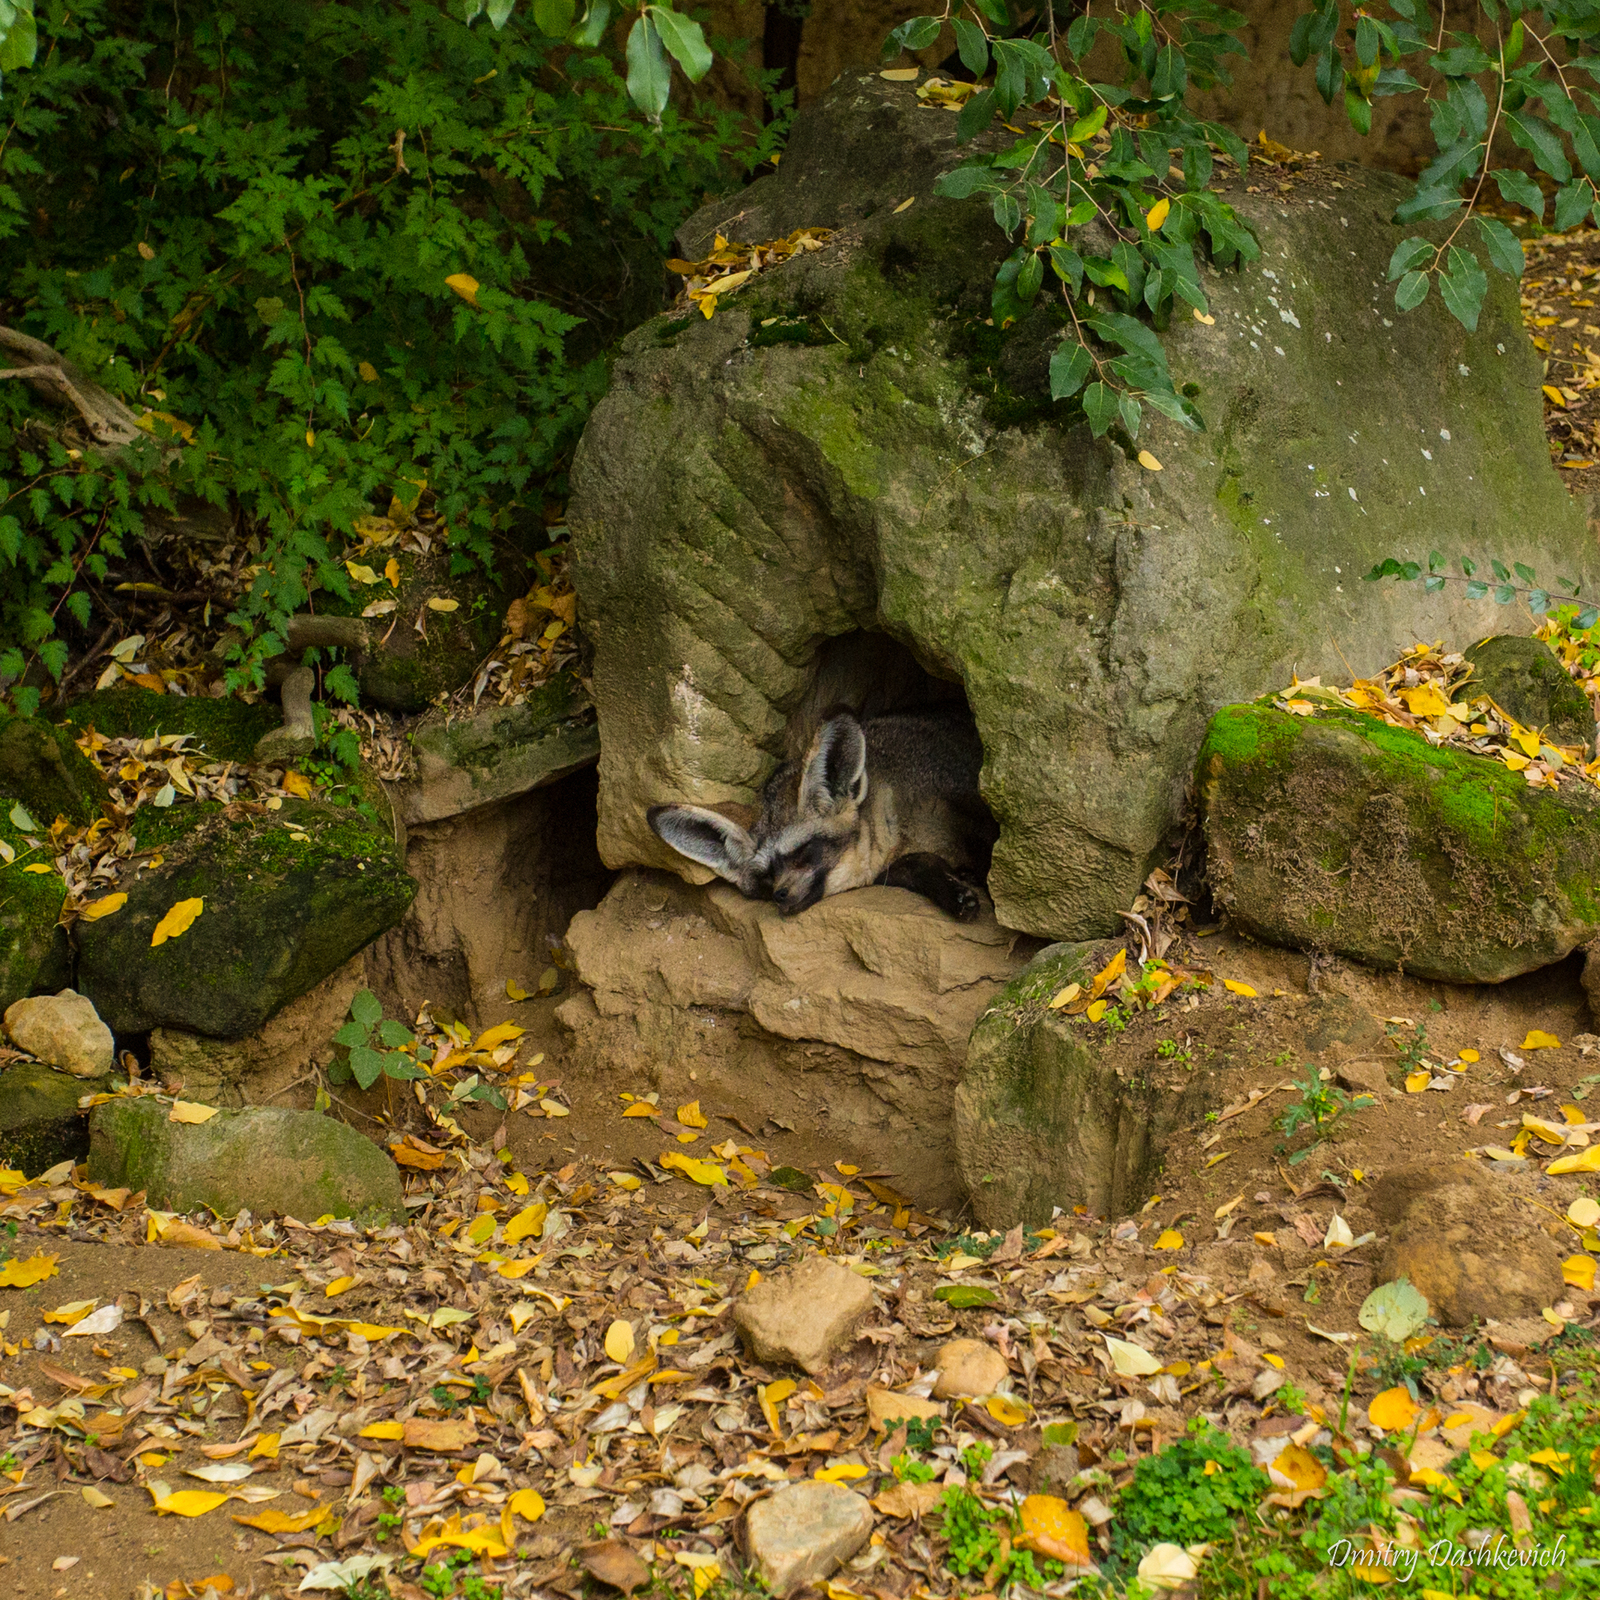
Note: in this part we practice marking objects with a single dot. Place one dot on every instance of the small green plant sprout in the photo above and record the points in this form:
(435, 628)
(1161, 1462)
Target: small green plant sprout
(1502, 586)
(365, 1032)
(1415, 1053)
(1178, 1054)
(1319, 1107)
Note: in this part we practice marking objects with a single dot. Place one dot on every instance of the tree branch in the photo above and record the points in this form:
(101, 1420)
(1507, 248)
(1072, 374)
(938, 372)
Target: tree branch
(109, 421)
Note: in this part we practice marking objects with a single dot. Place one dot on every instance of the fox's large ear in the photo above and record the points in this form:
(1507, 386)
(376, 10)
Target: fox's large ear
(836, 767)
(704, 836)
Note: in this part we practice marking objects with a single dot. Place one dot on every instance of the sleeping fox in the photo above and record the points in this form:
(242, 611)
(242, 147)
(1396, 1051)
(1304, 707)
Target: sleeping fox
(892, 799)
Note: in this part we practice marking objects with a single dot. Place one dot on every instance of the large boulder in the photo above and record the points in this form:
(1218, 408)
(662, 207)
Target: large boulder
(853, 1016)
(270, 1162)
(1043, 1118)
(1338, 833)
(40, 1123)
(288, 897)
(41, 766)
(428, 631)
(33, 950)
(847, 444)
(272, 1063)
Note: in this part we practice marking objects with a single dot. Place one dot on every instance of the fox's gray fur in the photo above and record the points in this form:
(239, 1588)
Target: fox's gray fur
(892, 799)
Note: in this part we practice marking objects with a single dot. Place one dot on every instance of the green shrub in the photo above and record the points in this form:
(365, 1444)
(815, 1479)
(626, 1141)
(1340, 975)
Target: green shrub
(350, 249)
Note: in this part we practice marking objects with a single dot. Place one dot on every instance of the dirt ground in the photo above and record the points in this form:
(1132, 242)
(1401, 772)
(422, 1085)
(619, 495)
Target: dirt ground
(219, 1349)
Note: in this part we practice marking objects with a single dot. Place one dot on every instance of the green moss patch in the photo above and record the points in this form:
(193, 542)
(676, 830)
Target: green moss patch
(1340, 833)
(289, 896)
(227, 730)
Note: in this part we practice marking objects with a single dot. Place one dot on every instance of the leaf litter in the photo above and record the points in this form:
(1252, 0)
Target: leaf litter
(538, 1374)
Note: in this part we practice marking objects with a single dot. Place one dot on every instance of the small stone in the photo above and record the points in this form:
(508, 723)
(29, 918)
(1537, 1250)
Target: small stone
(802, 1533)
(1362, 1077)
(969, 1368)
(804, 1314)
(1463, 1239)
(63, 1030)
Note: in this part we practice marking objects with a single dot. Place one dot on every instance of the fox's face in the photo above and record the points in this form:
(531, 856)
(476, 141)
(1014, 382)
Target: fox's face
(791, 865)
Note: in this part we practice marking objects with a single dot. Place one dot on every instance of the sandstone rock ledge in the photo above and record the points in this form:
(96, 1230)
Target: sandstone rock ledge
(851, 1019)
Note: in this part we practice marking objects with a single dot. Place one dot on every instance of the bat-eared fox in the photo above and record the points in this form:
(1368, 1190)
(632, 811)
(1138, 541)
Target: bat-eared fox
(887, 799)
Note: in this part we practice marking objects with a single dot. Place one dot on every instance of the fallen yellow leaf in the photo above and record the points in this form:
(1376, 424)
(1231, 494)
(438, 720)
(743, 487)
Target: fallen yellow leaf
(1579, 1272)
(438, 604)
(527, 1222)
(619, 1342)
(1416, 1082)
(1097, 1010)
(1584, 1212)
(513, 992)
(1005, 1410)
(707, 1172)
(271, 1521)
(338, 1287)
(1469, 1055)
(178, 920)
(501, 1033)
(1170, 1239)
(1050, 1527)
(191, 1111)
(24, 1272)
(1584, 1161)
(1539, 1040)
(1146, 460)
(1393, 1411)
(1065, 997)
(186, 1502)
(103, 907)
(384, 1430)
(464, 285)
(1233, 986)
(691, 1116)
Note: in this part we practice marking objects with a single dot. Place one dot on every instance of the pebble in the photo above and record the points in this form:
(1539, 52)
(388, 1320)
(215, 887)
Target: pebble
(803, 1532)
(969, 1368)
(803, 1314)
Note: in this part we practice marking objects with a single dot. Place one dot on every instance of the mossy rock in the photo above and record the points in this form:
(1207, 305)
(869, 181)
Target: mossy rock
(1522, 676)
(898, 466)
(1044, 1119)
(40, 1123)
(269, 1161)
(1338, 833)
(406, 670)
(33, 949)
(500, 752)
(226, 729)
(289, 896)
(42, 767)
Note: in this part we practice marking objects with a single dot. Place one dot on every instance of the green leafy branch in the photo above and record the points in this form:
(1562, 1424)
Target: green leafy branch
(1091, 193)
(659, 33)
(1502, 586)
